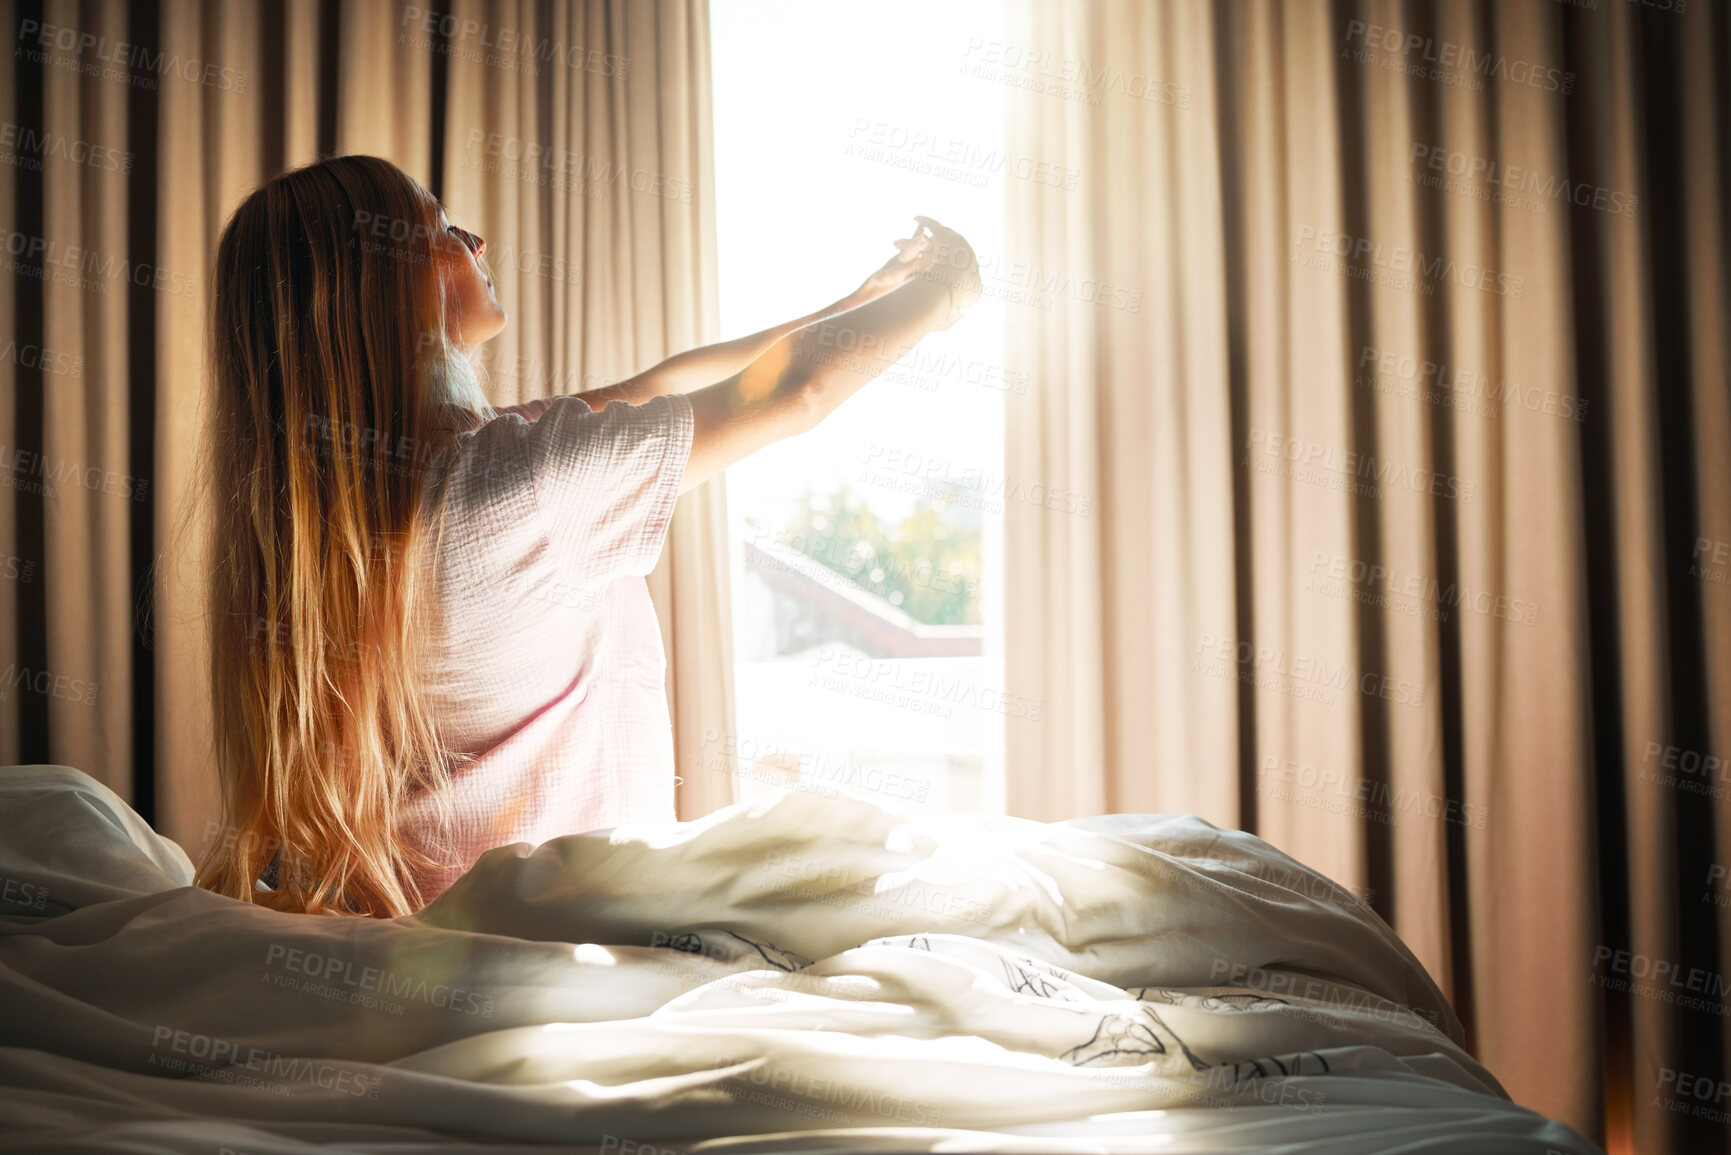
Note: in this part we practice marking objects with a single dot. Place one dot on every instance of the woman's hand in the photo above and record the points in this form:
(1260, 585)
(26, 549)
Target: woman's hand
(915, 254)
(933, 253)
(951, 263)
(804, 375)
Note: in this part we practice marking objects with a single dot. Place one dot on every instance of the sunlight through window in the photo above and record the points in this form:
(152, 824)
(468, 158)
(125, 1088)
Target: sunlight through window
(866, 554)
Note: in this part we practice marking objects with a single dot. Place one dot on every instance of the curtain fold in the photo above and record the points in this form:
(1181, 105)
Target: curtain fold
(574, 136)
(1407, 416)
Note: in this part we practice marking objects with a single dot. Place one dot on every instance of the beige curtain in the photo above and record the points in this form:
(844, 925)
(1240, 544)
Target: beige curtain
(1456, 636)
(149, 130)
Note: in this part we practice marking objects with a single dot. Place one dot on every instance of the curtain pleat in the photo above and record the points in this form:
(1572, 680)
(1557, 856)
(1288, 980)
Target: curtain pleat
(23, 571)
(1473, 698)
(604, 255)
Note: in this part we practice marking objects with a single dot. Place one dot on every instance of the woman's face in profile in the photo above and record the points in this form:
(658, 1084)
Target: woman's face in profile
(475, 314)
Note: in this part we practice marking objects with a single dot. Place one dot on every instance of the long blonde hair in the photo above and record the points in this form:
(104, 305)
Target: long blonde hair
(337, 392)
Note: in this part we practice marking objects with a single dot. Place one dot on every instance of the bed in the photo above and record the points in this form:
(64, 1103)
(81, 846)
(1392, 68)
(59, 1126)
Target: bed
(794, 973)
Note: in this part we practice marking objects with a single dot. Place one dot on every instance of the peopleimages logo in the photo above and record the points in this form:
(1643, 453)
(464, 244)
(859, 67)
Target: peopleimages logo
(503, 46)
(1698, 1095)
(559, 168)
(85, 267)
(1661, 979)
(36, 39)
(1327, 460)
(368, 985)
(20, 139)
(1454, 380)
(928, 691)
(19, 893)
(1401, 264)
(1514, 178)
(814, 770)
(1300, 675)
(47, 683)
(1690, 771)
(1373, 576)
(963, 483)
(1070, 77)
(1385, 797)
(1278, 984)
(189, 1053)
(801, 1093)
(1448, 57)
(881, 139)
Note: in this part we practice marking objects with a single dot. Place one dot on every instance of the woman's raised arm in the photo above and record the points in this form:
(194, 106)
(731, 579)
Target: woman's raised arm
(803, 376)
(697, 368)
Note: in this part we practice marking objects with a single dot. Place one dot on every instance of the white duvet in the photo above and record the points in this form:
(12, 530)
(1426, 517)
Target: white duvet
(790, 974)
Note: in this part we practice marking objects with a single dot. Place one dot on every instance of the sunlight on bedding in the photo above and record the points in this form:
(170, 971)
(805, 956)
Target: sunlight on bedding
(1149, 1130)
(1058, 992)
(588, 954)
(957, 855)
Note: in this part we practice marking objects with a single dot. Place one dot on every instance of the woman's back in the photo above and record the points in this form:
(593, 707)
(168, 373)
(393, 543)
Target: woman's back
(543, 658)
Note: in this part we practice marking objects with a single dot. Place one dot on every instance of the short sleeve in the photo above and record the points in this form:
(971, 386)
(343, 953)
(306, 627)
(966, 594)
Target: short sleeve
(606, 481)
(528, 410)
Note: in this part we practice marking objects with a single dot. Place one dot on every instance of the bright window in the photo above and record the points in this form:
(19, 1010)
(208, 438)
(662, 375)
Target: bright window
(867, 571)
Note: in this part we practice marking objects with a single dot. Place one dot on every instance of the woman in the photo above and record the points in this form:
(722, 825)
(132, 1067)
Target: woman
(430, 629)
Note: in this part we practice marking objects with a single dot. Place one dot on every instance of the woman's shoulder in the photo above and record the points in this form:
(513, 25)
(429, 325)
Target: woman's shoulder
(561, 444)
(490, 452)
(534, 410)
